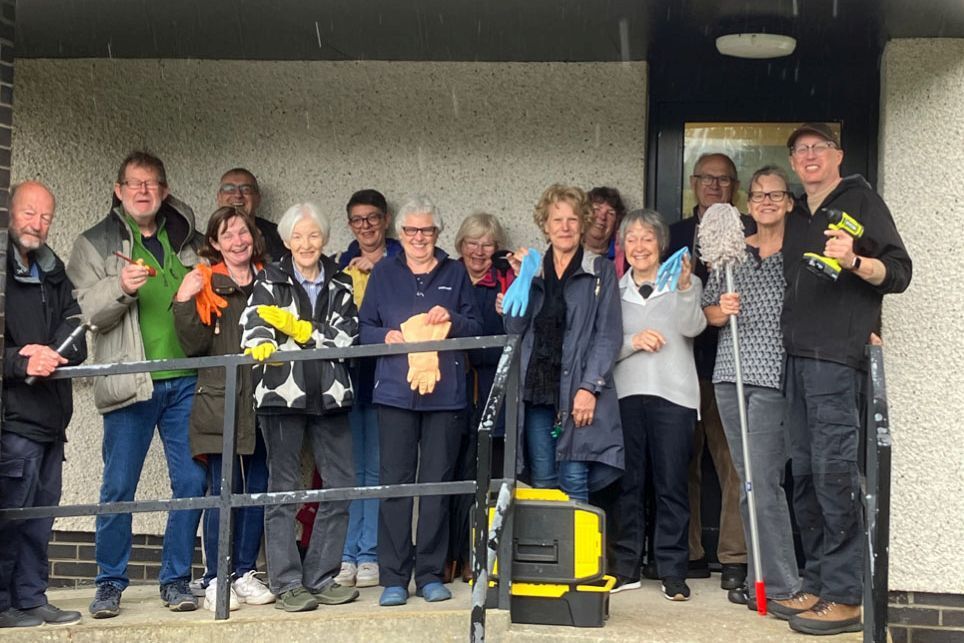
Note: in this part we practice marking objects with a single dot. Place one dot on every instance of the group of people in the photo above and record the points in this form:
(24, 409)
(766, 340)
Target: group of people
(623, 381)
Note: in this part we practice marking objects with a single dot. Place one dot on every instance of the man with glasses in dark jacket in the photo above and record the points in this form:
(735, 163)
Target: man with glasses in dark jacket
(41, 313)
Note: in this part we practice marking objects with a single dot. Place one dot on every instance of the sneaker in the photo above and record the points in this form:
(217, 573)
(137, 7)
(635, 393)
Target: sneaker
(434, 592)
(16, 618)
(298, 599)
(335, 594)
(53, 615)
(211, 597)
(178, 597)
(346, 577)
(796, 604)
(827, 617)
(106, 603)
(198, 585)
(624, 584)
(675, 589)
(252, 590)
(393, 595)
(733, 576)
(698, 568)
(367, 575)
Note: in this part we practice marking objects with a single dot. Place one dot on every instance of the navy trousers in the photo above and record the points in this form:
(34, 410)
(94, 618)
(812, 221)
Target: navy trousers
(31, 475)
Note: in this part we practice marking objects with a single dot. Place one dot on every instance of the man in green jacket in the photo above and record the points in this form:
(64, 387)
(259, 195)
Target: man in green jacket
(130, 304)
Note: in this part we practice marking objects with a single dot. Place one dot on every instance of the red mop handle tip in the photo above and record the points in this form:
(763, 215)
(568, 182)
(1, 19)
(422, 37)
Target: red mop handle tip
(761, 598)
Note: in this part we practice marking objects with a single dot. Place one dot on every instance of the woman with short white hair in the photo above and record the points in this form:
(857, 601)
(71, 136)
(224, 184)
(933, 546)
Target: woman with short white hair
(417, 295)
(302, 302)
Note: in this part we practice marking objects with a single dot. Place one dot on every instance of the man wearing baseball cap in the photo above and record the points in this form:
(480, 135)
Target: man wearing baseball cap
(826, 325)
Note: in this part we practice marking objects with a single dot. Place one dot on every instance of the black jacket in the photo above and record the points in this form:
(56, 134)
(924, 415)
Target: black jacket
(829, 320)
(39, 311)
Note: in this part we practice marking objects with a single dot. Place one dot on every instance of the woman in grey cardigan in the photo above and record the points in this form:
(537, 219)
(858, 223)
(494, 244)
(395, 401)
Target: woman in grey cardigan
(757, 304)
(658, 400)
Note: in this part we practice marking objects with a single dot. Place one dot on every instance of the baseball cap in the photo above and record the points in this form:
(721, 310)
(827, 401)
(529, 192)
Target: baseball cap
(820, 129)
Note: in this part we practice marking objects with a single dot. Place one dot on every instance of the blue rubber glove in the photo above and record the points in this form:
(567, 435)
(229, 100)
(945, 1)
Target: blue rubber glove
(516, 298)
(667, 277)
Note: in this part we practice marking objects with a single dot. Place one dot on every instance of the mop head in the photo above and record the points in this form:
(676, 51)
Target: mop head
(721, 237)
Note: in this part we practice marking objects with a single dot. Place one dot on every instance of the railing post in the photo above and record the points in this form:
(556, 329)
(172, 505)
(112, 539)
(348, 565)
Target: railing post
(877, 500)
(509, 473)
(225, 545)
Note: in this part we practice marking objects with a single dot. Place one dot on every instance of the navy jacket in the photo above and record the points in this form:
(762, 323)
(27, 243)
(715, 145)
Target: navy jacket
(393, 295)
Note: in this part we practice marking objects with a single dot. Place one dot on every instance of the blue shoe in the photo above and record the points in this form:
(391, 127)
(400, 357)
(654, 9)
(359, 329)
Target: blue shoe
(434, 592)
(394, 595)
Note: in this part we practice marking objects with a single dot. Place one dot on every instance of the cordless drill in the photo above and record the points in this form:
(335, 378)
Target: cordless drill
(825, 266)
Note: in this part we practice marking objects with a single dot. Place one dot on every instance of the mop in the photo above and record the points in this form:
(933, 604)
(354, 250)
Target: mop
(722, 245)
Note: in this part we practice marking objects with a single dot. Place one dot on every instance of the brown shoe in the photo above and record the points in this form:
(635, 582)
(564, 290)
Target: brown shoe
(796, 604)
(448, 572)
(827, 617)
(466, 571)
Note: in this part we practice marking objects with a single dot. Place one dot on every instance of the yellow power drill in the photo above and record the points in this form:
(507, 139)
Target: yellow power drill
(825, 266)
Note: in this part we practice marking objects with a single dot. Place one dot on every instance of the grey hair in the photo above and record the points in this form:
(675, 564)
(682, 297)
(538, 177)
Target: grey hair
(648, 219)
(771, 170)
(300, 211)
(419, 204)
(478, 225)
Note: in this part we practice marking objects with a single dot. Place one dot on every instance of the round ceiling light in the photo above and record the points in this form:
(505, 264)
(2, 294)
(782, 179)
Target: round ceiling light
(756, 45)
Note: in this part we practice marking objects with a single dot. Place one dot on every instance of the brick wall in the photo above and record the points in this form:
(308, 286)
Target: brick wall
(72, 562)
(923, 617)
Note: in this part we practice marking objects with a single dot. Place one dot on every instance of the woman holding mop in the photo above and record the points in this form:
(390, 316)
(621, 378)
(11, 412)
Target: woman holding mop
(757, 301)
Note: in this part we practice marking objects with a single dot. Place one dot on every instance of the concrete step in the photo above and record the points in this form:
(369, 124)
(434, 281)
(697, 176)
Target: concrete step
(641, 615)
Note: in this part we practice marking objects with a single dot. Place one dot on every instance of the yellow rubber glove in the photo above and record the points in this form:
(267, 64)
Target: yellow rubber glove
(261, 352)
(423, 370)
(287, 323)
(359, 281)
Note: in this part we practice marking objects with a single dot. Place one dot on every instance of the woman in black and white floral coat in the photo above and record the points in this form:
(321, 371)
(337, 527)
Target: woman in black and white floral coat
(301, 302)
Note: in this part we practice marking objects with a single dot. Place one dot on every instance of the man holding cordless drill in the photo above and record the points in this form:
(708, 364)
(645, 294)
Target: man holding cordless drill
(826, 325)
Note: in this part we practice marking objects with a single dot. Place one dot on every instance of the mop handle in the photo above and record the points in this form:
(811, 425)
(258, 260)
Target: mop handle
(761, 596)
(73, 337)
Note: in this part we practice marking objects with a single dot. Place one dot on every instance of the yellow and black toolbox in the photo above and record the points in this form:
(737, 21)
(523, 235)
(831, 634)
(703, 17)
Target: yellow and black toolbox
(558, 561)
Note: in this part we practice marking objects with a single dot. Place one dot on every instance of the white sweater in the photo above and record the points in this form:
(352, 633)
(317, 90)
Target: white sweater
(670, 372)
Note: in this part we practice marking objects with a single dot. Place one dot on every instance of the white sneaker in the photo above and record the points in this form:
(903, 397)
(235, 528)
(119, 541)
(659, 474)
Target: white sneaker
(197, 587)
(346, 577)
(211, 597)
(367, 575)
(252, 591)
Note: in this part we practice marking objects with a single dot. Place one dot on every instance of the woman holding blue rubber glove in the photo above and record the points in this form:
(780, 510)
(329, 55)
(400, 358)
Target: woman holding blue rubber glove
(302, 302)
(571, 331)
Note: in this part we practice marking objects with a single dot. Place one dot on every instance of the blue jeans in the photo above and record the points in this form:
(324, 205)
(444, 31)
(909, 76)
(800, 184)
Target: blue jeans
(571, 476)
(361, 544)
(128, 433)
(250, 476)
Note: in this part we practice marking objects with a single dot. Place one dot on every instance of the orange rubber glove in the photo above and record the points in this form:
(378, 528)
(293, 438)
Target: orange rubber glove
(207, 301)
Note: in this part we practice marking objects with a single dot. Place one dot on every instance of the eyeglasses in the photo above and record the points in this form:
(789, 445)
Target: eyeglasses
(709, 179)
(371, 220)
(137, 186)
(245, 188)
(777, 196)
(411, 231)
(816, 148)
(474, 246)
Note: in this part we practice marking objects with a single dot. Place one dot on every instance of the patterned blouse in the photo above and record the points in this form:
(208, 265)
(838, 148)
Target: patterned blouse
(761, 285)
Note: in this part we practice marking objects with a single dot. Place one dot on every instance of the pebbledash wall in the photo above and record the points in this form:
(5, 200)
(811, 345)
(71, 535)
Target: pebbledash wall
(474, 137)
(921, 149)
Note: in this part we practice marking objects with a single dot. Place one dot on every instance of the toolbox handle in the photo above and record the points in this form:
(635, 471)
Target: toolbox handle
(532, 550)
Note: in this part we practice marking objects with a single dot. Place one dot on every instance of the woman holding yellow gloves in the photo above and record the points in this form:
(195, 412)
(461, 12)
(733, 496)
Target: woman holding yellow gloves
(419, 295)
(302, 302)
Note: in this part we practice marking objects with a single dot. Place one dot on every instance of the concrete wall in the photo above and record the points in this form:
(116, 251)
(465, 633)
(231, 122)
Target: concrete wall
(473, 136)
(921, 169)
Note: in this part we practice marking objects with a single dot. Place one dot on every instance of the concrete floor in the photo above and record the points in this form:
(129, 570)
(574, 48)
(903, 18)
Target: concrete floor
(639, 615)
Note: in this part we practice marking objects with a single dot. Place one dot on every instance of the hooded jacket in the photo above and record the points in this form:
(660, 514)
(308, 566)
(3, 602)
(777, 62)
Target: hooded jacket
(593, 338)
(95, 272)
(39, 311)
(314, 386)
(832, 320)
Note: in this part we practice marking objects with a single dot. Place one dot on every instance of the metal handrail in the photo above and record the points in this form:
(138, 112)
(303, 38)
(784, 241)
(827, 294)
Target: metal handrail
(504, 389)
(875, 482)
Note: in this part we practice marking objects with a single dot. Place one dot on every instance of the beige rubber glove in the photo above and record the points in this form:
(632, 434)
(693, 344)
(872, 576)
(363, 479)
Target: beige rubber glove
(287, 323)
(423, 370)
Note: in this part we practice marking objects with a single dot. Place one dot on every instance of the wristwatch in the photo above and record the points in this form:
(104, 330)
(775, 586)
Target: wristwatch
(855, 265)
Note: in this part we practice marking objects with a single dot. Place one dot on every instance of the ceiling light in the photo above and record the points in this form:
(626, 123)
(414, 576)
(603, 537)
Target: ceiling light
(756, 45)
